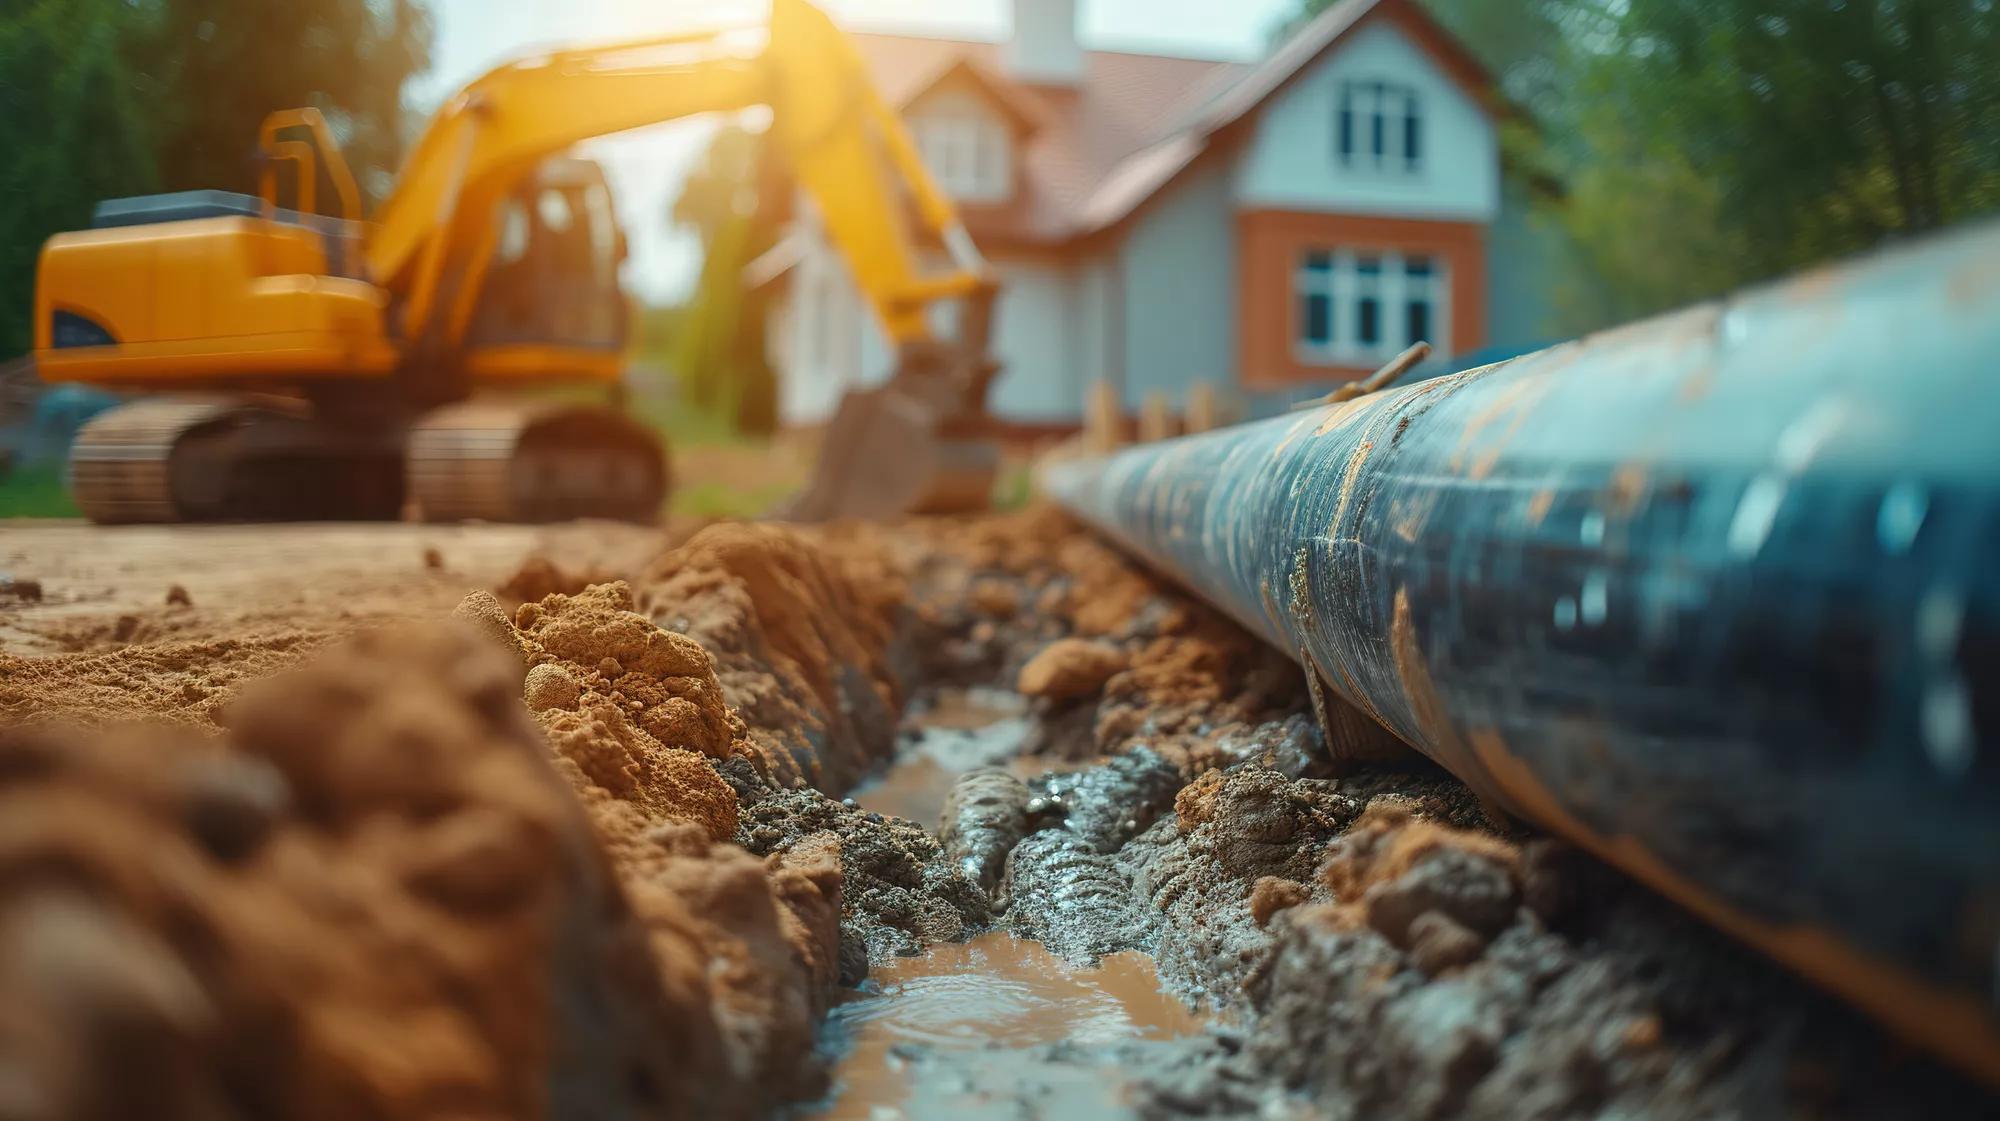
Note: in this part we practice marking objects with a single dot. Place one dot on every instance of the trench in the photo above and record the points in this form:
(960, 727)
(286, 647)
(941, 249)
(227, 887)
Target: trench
(975, 1029)
(1367, 945)
(1376, 946)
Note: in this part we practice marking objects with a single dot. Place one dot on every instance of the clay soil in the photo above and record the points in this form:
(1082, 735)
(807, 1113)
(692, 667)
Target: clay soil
(484, 822)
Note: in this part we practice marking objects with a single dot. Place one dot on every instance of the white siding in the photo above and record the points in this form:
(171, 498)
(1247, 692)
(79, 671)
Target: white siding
(1291, 161)
(826, 341)
(1179, 279)
(1094, 346)
(1035, 340)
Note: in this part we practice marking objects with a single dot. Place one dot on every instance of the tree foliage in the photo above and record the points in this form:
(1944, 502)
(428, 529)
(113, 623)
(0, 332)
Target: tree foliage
(1716, 142)
(105, 98)
(220, 65)
(719, 360)
(74, 129)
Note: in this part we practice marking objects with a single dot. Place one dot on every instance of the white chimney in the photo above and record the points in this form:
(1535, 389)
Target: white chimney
(1043, 49)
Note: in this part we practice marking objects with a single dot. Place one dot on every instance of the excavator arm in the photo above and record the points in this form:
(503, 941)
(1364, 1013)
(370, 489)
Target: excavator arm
(845, 146)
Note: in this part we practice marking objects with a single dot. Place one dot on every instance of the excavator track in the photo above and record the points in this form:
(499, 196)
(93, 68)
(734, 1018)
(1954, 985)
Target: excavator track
(528, 461)
(122, 463)
(212, 458)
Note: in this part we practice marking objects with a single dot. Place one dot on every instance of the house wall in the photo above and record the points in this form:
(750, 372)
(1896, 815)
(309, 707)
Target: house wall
(1527, 267)
(1175, 275)
(822, 339)
(1096, 343)
(1292, 162)
(825, 340)
(1035, 339)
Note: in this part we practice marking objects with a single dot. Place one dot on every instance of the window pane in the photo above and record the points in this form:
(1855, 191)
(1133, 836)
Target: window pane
(1319, 260)
(1419, 323)
(1368, 327)
(513, 233)
(1375, 124)
(1413, 139)
(1417, 266)
(1346, 145)
(553, 206)
(1316, 319)
(1368, 266)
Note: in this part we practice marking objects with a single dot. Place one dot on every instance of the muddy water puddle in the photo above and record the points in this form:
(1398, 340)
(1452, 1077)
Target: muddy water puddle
(956, 731)
(994, 1026)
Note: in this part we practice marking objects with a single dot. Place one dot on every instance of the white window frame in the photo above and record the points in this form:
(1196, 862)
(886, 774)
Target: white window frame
(1344, 285)
(1364, 105)
(969, 154)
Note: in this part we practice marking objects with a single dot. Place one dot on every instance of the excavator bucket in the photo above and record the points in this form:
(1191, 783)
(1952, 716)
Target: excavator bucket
(898, 449)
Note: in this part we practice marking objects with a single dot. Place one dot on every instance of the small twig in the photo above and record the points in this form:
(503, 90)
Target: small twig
(1391, 370)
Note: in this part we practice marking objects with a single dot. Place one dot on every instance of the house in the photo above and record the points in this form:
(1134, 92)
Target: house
(1271, 228)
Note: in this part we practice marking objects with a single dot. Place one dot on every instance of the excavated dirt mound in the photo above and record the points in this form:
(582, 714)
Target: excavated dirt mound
(372, 896)
(480, 870)
(807, 636)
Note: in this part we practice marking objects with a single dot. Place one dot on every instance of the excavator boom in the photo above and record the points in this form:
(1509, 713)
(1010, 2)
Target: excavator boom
(844, 146)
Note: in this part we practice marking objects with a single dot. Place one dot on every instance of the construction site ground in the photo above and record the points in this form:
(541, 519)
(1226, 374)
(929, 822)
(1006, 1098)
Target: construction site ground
(942, 818)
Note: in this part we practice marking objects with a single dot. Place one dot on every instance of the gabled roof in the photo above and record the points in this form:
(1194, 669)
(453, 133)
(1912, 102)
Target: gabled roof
(1123, 103)
(1134, 122)
(1024, 111)
(1322, 33)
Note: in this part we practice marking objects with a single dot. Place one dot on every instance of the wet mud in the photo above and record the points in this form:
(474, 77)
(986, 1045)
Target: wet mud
(975, 1029)
(1371, 946)
(947, 818)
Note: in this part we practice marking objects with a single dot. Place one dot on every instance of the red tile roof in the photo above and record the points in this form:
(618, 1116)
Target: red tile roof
(1124, 104)
(1134, 122)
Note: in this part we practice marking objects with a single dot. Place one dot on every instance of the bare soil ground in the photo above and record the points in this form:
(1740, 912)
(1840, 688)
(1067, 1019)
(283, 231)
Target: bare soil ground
(244, 580)
(394, 821)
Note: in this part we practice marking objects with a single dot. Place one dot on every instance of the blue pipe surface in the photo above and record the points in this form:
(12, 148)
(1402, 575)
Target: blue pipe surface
(1715, 595)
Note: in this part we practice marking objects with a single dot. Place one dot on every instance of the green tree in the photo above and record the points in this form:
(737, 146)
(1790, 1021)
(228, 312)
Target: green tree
(74, 128)
(719, 360)
(105, 98)
(219, 66)
(1718, 142)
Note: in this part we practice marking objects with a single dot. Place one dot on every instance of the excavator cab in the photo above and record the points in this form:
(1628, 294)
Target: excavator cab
(552, 285)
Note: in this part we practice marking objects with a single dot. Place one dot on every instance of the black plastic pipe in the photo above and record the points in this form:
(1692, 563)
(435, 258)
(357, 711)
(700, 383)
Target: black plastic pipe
(1715, 595)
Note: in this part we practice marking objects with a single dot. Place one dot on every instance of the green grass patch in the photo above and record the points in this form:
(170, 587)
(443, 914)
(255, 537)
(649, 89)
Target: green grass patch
(38, 491)
(1014, 488)
(685, 425)
(718, 500)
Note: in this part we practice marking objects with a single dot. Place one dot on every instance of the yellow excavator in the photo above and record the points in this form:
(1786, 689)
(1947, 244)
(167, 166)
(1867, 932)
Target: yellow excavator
(285, 364)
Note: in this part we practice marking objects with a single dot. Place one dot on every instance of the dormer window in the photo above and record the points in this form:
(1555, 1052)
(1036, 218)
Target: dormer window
(1379, 126)
(968, 153)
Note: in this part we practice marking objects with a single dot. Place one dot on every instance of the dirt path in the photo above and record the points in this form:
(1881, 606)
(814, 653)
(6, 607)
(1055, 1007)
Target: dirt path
(240, 581)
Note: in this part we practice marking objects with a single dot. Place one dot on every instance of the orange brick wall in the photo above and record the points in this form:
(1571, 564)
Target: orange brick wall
(1269, 243)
